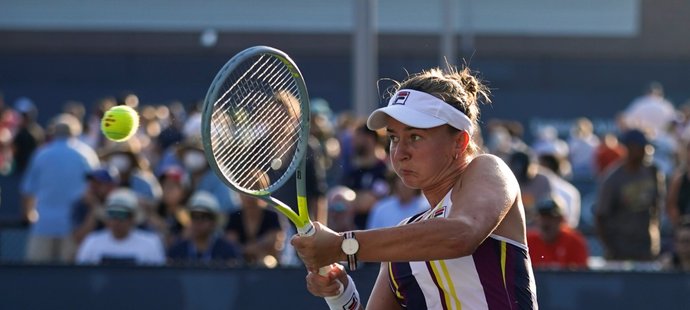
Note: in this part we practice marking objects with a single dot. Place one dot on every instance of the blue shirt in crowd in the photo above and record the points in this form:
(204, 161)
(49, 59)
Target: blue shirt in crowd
(56, 178)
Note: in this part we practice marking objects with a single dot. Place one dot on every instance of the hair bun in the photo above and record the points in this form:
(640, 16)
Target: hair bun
(470, 83)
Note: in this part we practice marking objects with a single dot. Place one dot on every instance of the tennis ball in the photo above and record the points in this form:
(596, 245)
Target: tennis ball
(119, 123)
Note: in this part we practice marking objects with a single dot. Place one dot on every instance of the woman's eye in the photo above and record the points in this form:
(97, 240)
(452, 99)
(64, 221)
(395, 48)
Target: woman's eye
(393, 138)
(416, 138)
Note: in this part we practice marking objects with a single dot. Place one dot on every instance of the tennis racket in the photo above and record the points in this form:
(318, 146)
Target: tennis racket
(255, 127)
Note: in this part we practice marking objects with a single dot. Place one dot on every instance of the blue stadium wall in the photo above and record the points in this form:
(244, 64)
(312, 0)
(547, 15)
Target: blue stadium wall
(68, 287)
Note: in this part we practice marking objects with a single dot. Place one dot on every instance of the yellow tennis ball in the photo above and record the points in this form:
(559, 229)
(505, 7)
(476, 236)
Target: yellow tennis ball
(119, 123)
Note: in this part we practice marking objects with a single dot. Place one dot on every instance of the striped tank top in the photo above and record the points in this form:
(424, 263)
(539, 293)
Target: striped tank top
(497, 275)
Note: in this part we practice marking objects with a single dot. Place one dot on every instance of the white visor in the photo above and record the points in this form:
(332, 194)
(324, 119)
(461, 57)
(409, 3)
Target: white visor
(419, 110)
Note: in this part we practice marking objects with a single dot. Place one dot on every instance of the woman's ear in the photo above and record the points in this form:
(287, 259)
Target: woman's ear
(461, 142)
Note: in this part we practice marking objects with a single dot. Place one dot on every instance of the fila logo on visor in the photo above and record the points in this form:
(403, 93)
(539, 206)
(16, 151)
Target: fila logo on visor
(401, 97)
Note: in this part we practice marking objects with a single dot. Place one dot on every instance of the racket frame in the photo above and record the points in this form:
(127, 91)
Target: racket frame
(297, 165)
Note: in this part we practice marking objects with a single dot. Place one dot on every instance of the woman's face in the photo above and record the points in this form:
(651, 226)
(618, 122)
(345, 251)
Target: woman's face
(421, 157)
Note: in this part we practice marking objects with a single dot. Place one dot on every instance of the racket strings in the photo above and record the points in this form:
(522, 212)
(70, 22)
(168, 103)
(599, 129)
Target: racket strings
(262, 128)
(256, 126)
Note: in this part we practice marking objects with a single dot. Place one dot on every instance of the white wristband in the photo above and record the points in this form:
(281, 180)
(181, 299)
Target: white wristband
(349, 299)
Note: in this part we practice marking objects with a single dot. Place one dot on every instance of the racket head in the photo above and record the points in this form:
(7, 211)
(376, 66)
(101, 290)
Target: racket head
(255, 123)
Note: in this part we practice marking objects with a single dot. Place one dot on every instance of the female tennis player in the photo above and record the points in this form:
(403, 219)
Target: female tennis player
(468, 251)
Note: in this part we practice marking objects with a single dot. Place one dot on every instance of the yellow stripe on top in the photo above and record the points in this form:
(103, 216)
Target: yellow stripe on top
(447, 286)
(503, 262)
(439, 280)
(395, 283)
(451, 287)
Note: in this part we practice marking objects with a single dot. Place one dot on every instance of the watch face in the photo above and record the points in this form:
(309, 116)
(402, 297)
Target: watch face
(350, 246)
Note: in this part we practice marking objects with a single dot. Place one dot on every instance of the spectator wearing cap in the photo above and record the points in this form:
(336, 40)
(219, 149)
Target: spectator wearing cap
(629, 201)
(170, 216)
(340, 208)
(53, 181)
(553, 244)
(122, 242)
(204, 245)
(88, 212)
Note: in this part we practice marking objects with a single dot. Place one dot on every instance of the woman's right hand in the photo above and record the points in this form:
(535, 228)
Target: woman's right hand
(330, 285)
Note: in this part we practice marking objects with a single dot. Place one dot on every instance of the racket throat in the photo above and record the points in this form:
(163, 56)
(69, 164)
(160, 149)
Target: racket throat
(306, 230)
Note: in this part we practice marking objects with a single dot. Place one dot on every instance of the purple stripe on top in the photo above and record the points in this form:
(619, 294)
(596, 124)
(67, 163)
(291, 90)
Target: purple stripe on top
(487, 259)
(408, 286)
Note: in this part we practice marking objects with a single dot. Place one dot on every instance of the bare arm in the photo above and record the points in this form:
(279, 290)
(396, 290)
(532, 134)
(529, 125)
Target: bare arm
(29, 213)
(481, 201)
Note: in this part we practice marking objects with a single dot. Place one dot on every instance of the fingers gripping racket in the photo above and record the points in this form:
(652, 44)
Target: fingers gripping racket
(255, 127)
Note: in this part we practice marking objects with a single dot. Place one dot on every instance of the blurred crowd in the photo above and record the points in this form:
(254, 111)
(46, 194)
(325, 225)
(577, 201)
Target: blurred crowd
(153, 199)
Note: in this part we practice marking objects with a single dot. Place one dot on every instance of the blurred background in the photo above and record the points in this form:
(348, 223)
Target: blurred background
(566, 77)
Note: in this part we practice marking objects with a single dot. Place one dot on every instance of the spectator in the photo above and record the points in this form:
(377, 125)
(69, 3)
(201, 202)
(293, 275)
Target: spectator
(504, 138)
(88, 212)
(204, 245)
(534, 184)
(607, 153)
(628, 203)
(582, 144)
(679, 258)
(92, 124)
(403, 203)
(122, 242)
(190, 154)
(554, 244)
(53, 181)
(29, 135)
(368, 175)
(257, 231)
(650, 112)
(340, 208)
(550, 164)
(548, 142)
(170, 217)
(678, 200)
(326, 144)
(134, 171)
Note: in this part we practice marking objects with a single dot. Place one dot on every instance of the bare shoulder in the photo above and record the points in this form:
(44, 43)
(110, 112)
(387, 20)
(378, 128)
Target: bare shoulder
(489, 163)
(489, 166)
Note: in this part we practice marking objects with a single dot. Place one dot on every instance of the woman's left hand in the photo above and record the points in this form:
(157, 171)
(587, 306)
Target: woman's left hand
(320, 249)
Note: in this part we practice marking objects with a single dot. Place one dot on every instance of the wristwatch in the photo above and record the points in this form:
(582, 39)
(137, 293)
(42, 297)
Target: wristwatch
(350, 246)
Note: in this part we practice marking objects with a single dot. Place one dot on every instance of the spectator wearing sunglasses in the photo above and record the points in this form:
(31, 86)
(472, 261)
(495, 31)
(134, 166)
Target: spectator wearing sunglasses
(121, 243)
(205, 245)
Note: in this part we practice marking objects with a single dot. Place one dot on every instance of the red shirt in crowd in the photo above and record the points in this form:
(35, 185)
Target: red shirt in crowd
(568, 251)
